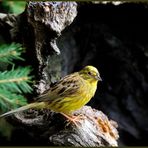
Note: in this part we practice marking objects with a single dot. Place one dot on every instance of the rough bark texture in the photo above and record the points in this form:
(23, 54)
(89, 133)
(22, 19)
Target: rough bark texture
(114, 39)
(48, 20)
(93, 128)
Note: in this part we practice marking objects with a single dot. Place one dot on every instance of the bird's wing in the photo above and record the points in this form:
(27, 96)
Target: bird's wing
(66, 87)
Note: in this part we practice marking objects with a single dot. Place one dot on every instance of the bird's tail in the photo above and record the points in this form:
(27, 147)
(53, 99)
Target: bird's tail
(23, 108)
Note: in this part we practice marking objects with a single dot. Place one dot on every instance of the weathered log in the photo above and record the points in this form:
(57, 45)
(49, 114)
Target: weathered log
(48, 19)
(93, 128)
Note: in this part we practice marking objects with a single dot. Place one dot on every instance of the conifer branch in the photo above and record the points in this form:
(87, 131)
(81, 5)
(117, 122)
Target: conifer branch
(11, 100)
(10, 52)
(13, 83)
(16, 80)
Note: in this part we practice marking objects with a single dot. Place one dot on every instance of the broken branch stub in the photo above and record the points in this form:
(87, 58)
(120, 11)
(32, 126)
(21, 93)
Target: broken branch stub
(92, 129)
(48, 19)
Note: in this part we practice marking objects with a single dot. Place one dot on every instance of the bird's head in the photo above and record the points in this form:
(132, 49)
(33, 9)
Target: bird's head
(90, 73)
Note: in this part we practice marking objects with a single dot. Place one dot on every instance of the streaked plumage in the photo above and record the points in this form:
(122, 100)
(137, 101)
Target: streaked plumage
(69, 94)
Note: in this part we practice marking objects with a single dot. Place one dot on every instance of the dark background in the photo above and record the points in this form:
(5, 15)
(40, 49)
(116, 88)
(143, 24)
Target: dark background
(114, 38)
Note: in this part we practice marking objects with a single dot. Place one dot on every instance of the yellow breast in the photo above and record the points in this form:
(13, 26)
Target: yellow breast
(69, 100)
(75, 102)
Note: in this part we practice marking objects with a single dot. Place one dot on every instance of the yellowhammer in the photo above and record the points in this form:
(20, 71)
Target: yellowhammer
(69, 94)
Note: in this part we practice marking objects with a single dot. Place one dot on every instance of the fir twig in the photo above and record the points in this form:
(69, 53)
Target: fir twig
(10, 52)
(13, 83)
(16, 80)
(11, 100)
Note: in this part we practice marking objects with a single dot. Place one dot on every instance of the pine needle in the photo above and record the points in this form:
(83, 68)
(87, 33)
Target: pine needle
(11, 100)
(16, 80)
(10, 52)
(14, 83)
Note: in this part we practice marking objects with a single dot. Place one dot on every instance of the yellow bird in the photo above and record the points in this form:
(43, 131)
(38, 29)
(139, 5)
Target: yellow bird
(68, 95)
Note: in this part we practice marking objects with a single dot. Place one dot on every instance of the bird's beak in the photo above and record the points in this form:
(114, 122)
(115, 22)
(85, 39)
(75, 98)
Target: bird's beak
(98, 77)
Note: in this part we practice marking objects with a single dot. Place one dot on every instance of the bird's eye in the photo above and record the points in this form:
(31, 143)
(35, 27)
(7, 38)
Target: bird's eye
(89, 73)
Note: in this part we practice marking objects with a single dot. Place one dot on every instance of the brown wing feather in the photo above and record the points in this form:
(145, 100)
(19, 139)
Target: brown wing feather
(66, 87)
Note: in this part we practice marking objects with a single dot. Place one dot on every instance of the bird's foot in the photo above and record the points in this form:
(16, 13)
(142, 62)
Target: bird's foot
(73, 119)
